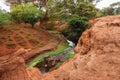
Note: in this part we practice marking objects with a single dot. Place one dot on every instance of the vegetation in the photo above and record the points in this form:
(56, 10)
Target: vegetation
(60, 49)
(76, 26)
(113, 9)
(26, 13)
(10, 44)
(75, 13)
(69, 55)
(4, 18)
(63, 9)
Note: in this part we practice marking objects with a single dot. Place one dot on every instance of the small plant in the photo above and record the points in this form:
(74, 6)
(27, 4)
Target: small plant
(18, 38)
(3, 37)
(69, 55)
(34, 41)
(28, 35)
(10, 44)
(58, 65)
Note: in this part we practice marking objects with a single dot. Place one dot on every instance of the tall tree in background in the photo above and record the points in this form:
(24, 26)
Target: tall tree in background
(62, 9)
(116, 7)
(113, 9)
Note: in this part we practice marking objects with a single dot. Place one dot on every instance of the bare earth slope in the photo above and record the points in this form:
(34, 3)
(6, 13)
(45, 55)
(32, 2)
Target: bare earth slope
(12, 67)
(16, 36)
(98, 54)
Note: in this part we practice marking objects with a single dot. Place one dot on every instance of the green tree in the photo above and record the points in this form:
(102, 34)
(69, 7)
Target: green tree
(4, 18)
(113, 9)
(116, 7)
(26, 13)
(76, 26)
(62, 9)
(107, 11)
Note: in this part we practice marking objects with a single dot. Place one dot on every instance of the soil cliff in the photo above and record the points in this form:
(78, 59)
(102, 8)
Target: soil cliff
(97, 54)
(12, 67)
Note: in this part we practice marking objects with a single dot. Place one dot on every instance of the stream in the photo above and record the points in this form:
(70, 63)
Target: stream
(52, 62)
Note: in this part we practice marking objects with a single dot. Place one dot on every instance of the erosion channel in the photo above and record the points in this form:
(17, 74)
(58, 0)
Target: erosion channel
(49, 61)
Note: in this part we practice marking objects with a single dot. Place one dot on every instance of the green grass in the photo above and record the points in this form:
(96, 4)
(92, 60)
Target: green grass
(60, 49)
(58, 64)
(70, 54)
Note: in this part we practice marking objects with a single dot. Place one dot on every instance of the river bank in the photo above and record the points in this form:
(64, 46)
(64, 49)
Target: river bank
(51, 60)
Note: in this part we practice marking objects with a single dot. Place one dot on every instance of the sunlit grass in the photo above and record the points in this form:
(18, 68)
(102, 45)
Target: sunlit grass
(70, 54)
(60, 49)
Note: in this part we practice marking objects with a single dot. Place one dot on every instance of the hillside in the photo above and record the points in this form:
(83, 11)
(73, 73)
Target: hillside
(16, 36)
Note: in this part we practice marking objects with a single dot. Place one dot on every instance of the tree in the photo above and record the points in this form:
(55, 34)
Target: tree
(116, 7)
(40, 3)
(26, 13)
(113, 9)
(76, 26)
(107, 11)
(61, 9)
(4, 18)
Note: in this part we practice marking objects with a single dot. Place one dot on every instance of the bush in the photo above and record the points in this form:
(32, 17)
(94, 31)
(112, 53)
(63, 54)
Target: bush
(77, 25)
(26, 13)
(10, 44)
(4, 18)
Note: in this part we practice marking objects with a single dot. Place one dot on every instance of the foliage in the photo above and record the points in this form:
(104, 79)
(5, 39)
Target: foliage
(69, 55)
(86, 9)
(4, 18)
(116, 7)
(63, 9)
(10, 43)
(107, 11)
(26, 13)
(77, 25)
(61, 48)
(113, 9)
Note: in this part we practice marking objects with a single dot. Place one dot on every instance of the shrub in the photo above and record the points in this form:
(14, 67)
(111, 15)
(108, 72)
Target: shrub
(26, 13)
(4, 18)
(69, 55)
(10, 44)
(77, 25)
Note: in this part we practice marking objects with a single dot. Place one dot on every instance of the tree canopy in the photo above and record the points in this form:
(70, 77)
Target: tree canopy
(26, 13)
(113, 9)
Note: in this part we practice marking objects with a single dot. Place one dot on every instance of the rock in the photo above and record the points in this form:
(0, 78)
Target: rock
(34, 73)
(98, 54)
(12, 67)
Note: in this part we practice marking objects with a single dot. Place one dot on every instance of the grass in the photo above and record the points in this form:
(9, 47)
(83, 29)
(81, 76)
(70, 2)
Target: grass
(60, 49)
(58, 64)
(10, 43)
(70, 54)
